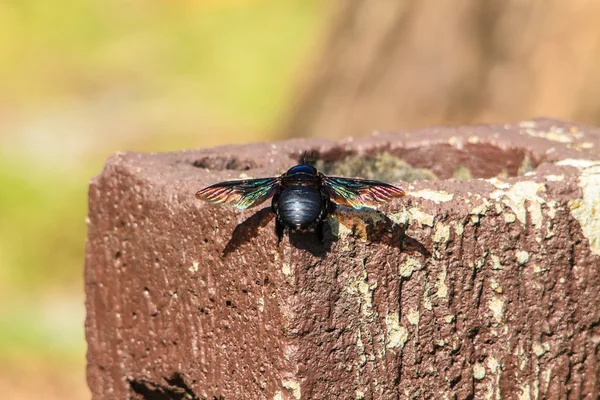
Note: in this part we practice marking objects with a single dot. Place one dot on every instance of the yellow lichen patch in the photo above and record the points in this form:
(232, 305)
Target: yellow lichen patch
(462, 173)
(496, 306)
(286, 266)
(498, 183)
(539, 350)
(517, 196)
(578, 163)
(492, 364)
(495, 286)
(581, 146)
(339, 230)
(509, 217)
(412, 214)
(278, 395)
(480, 262)
(408, 266)
(459, 228)
(479, 210)
(261, 304)
(194, 267)
(427, 297)
(493, 387)
(525, 392)
(365, 292)
(360, 230)
(551, 208)
(437, 196)
(455, 141)
(442, 233)
(397, 334)
(421, 217)
(413, 316)
(449, 318)
(442, 289)
(496, 264)
(557, 135)
(522, 257)
(586, 210)
(400, 218)
(347, 221)
(478, 371)
(555, 178)
(539, 270)
(293, 387)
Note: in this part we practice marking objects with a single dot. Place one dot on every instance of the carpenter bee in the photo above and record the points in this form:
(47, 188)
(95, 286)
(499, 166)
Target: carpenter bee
(302, 197)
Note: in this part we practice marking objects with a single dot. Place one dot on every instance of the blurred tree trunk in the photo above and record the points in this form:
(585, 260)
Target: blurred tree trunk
(409, 63)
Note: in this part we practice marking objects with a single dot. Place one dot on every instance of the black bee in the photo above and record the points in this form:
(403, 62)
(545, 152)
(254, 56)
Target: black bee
(302, 197)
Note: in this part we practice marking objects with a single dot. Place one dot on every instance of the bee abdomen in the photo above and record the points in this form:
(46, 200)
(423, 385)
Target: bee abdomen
(300, 206)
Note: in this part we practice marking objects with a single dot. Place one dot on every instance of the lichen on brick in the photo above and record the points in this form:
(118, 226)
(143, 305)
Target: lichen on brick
(412, 214)
(523, 197)
(408, 265)
(586, 210)
(496, 305)
(442, 233)
(293, 387)
(437, 196)
(397, 334)
(522, 257)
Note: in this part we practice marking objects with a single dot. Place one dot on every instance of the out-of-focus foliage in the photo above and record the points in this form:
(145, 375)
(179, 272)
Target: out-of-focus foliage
(81, 79)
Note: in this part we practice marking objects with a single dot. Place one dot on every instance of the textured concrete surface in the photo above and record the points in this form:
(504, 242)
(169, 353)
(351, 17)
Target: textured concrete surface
(481, 283)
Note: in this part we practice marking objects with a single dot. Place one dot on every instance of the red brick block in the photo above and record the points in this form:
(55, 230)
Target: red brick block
(482, 282)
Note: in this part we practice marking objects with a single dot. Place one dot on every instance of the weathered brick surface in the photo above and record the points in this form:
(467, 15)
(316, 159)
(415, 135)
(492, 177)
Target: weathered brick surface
(477, 288)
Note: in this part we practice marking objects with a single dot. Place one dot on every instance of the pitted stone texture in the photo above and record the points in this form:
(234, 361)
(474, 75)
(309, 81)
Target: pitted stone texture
(478, 288)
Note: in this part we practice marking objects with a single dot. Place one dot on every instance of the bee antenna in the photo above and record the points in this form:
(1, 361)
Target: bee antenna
(309, 157)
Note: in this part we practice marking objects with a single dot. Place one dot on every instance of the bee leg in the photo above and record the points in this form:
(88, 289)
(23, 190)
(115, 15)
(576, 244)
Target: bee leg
(279, 229)
(320, 231)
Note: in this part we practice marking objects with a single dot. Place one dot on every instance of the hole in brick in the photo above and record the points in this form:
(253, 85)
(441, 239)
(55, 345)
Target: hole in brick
(437, 161)
(221, 163)
(174, 389)
(228, 303)
(117, 255)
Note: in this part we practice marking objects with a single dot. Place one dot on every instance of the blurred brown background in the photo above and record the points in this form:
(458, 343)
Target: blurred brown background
(81, 79)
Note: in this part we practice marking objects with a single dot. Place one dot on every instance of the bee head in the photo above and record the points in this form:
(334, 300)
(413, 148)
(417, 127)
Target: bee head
(300, 171)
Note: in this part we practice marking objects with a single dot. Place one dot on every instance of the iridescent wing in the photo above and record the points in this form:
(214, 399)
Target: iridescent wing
(240, 194)
(358, 193)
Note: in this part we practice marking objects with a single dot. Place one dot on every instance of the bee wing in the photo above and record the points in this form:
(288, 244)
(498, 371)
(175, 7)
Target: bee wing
(240, 194)
(358, 193)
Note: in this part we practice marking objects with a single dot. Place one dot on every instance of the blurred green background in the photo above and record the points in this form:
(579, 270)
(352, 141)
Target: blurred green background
(80, 80)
